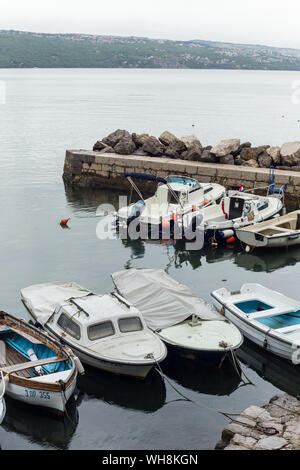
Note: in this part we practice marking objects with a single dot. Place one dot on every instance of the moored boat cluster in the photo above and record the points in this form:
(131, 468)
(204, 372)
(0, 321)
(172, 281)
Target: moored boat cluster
(228, 151)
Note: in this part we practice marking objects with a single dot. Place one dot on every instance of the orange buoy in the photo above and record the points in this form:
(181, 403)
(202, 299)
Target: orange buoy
(230, 240)
(64, 222)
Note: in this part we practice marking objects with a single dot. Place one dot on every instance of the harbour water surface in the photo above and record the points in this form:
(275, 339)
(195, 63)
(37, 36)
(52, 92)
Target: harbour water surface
(47, 111)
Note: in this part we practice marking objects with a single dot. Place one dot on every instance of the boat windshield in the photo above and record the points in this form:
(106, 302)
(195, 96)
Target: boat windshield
(69, 326)
(181, 183)
(100, 330)
(130, 324)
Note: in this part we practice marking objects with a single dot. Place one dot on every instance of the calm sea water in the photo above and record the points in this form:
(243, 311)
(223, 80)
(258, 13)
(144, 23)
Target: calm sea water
(47, 111)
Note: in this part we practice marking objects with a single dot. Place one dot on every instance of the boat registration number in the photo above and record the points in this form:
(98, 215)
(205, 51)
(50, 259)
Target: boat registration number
(34, 394)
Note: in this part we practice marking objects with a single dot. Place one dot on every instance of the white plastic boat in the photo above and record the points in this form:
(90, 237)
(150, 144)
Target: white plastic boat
(174, 196)
(181, 319)
(238, 209)
(264, 316)
(35, 368)
(104, 331)
(277, 232)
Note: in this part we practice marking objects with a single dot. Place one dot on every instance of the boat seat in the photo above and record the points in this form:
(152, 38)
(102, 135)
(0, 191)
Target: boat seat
(30, 364)
(2, 353)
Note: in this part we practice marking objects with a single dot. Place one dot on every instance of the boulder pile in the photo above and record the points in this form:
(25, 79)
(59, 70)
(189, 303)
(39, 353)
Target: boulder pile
(275, 426)
(228, 151)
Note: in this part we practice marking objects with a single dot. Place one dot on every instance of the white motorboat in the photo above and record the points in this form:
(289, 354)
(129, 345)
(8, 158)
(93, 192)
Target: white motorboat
(264, 316)
(181, 319)
(35, 369)
(104, 331)
(278, 232)
(238, 209)
(175, 197)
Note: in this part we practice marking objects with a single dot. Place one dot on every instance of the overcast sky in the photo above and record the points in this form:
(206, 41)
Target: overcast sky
(269, 22)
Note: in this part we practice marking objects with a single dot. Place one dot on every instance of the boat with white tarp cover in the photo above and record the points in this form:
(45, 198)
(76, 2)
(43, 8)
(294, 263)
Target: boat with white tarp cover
(180, 318)
(105, 331)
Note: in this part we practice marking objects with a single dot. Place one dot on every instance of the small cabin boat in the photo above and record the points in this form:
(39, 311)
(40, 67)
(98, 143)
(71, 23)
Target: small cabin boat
(182, 320)
(35, 369)
(277, 232)
(238, 209)
(104, 331)
(175, 196)
(264, 316)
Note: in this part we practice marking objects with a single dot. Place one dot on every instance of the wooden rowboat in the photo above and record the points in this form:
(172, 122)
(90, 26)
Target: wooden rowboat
(36, 369)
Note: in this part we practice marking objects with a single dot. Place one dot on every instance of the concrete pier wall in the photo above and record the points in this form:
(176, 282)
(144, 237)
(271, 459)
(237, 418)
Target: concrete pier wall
(88, 169)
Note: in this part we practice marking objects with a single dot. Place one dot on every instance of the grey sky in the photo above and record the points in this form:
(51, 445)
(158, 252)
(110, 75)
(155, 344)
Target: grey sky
(269, 22)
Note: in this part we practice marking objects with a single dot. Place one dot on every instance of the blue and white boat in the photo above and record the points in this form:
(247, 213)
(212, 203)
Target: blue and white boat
(266, 317)
(34, 368)
(176, 198)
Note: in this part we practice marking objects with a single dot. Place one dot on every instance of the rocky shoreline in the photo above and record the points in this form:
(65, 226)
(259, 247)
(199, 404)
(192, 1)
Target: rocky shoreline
(275, 426)
(228, 151)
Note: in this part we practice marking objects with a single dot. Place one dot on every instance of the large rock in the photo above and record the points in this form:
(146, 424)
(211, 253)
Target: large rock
(99, 145)
(140, 139)
(153, 146)
(207, 156)
(265, 160)
(290, 153)
(113, 138)
(189, 140)
(225, 147)
(193, 153)
(274, 153)
(251, 163)
(251, 153)
(227, 160)
(168, 139)
(125, 146)
(271, 443)
(172, 152)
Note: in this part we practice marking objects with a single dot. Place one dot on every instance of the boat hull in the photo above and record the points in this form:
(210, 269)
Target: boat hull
(133, 370)
(268, 242)
(271, 343)
(54, 401)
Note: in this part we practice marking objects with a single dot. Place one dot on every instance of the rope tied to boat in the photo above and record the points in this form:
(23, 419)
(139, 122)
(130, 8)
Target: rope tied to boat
(186, 398)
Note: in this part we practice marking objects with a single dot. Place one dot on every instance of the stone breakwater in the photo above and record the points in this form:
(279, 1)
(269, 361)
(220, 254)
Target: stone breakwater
(91, 169)
(228, 151)
(275, 426)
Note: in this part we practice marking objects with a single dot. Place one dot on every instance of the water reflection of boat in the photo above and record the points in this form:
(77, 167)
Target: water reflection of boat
(192, 375)
(179, 255)
(148, 395)
(275, 370)
(268, 261)
(39, 425)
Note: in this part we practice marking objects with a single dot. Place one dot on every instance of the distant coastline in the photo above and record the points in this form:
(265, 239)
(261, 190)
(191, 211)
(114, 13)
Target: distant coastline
(20, 49)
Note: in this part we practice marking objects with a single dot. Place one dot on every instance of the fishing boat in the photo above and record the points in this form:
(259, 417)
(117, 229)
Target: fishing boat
(104, 331)
(174, 199)
(35, 368)
(237, 209)
(182, 320)
(277, 232)
(266, 317)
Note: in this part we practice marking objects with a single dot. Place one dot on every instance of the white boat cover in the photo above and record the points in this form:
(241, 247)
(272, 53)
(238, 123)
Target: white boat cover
(162, 301)
(42, 299)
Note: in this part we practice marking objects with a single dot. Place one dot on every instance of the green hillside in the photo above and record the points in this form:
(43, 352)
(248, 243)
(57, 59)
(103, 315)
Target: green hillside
(26, 50)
